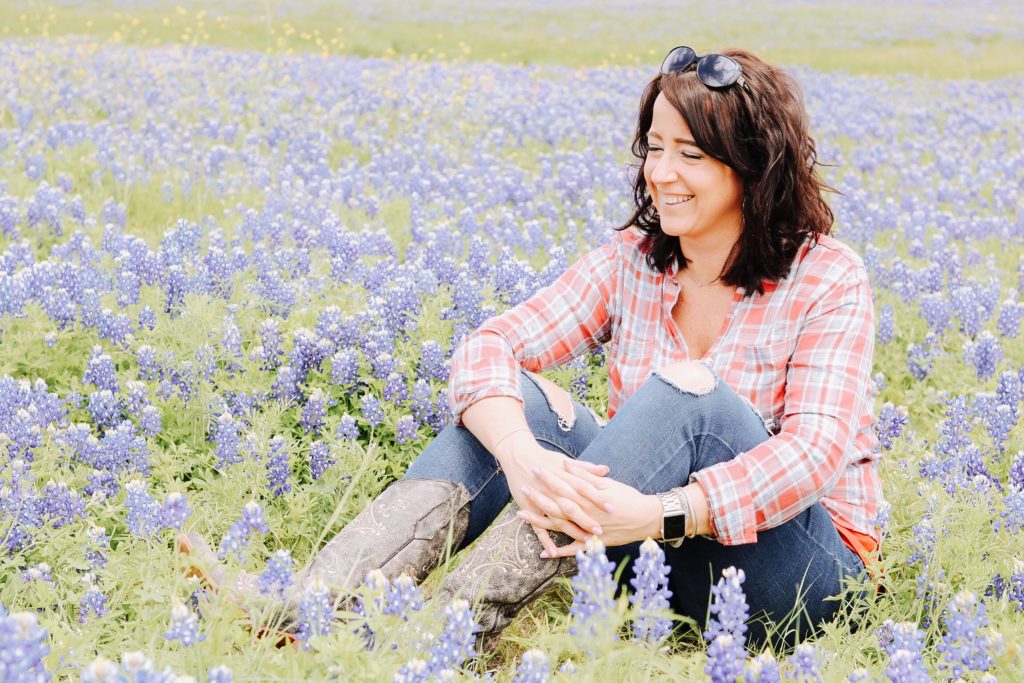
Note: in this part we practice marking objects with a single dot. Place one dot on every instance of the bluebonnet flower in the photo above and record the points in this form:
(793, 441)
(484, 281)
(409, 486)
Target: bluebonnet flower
(920, 357)
(886, 324)
(395, 391)
(402, 596)
(147, 318)
(278, 575)
(1012, 517)
(804, 664)
(999, 423)
(94, 601)
(269, 351)
(122, 449)
(414, 671)
(148, 366)
(225, 438)
(890, 423)
(432, 363)
(593, 598)
(150, 421)
(101, 371)
(104, 408)
(727, 628)
(143, 512)
(965, 646)
(936, 312)
(984, 354)
(534, 667)
(762, 669)
(231, 342)
(286, 385)
(219, 674)
(859, 675)
(23, 648)
(102, 670)
(98, 544)
(455, 644)
(37, 572)
(969, 309)
(184, 626)
(1008, 322)
(278, 466)
(345, 368)
(347, 428)
(383, 364)
(315, 612)
(320, 459)
(1017, 472)
(174, 289)
(650, 594)
(371, 410)
(59, 505)
(314, 412)
(174, 511)
(405, 430)
(237, 537)
(904, 643)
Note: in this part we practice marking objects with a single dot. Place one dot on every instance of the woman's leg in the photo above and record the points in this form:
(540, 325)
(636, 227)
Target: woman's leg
(683, 419)
(456, 456)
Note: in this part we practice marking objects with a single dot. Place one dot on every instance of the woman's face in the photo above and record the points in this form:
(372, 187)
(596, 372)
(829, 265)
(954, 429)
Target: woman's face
(699, 199)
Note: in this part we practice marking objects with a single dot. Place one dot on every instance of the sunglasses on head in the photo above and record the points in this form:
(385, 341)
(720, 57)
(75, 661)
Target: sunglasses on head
(714, 71)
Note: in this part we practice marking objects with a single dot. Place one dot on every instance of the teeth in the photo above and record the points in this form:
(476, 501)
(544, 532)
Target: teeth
(677, 199)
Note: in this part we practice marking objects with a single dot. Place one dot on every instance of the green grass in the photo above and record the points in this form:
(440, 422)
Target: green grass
(947, 41)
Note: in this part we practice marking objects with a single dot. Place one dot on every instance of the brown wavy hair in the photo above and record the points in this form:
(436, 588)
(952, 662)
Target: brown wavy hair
(763, 136)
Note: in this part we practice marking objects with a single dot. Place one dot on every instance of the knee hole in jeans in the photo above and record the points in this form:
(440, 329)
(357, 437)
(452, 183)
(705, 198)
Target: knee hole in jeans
(558, 401)
(690, 376)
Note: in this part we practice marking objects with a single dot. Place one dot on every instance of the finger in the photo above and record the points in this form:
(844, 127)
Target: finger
(555, 484)
(593, 467)
(544, 504)
(570, 549)
(580, 481)
(598, 481)
(575, 514)
(546, 541)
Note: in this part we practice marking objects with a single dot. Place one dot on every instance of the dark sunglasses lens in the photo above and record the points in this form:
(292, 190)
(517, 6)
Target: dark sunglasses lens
(678, 59)
(718, 71)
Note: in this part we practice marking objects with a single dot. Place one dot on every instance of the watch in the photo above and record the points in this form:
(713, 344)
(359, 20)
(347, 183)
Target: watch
(673, 520)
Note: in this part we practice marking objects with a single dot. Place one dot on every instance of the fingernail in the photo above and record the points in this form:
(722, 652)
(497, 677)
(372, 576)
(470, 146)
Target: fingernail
(597, 531)
(544, 554)
(525, 489)
(609, 507)
(536, 471)
(522, 515)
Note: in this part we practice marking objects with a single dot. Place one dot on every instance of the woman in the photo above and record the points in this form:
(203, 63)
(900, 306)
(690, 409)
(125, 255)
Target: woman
(740, 341)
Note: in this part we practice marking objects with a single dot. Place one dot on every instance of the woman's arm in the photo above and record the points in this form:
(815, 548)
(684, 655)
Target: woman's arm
(828, 384)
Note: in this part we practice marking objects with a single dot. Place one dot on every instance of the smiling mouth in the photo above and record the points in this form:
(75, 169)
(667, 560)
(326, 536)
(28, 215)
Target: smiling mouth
(678, 199)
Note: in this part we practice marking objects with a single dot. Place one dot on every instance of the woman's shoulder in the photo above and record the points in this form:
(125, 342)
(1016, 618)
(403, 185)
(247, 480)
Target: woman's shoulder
(828, 258)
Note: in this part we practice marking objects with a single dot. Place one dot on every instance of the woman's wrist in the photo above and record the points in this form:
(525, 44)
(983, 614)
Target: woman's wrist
(512, 444)
(653, 513)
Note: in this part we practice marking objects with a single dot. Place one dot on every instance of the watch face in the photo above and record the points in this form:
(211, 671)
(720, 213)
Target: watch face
(674, 526)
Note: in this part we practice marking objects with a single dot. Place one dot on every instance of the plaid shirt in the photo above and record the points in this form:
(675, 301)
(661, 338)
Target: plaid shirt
(801, 353)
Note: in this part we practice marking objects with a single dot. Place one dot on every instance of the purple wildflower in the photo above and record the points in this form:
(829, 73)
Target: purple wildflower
(405, 430)
(220, 674)
(984, 354)
(314, 412)
(237, 537)
(98, 544)
(315, 612)
(320, 459)
(94, 601)
(534, 667)
(804, 664)
(174, 511)
(762, 669)
(24, 648)
(278, 466)
(347, 428)
(278, 575)
(890, 423)
(101, 371)
(371, 410)
(593, 598)
(727, 628)
(184, 626)
(965, 647)
(225, 438)
(650, 594)
(455, 644)
(886, 324)
(402, 596)
(143, 512)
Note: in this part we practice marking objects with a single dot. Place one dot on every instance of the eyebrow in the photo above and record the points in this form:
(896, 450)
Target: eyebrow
(682, 141)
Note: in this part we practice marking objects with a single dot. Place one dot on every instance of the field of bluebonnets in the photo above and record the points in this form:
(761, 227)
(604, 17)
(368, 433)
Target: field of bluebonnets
(230, 281)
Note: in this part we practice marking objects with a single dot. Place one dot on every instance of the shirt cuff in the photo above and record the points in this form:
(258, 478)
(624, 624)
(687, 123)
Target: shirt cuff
(730, 493)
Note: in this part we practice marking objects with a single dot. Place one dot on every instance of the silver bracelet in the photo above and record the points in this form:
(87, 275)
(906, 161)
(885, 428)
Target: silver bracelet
(684, 502)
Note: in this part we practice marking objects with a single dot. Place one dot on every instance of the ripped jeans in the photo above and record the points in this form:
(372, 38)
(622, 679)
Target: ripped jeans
(658, 437)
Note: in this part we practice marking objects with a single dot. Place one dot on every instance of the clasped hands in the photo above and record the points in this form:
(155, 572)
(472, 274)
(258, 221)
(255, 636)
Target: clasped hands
(556, 493)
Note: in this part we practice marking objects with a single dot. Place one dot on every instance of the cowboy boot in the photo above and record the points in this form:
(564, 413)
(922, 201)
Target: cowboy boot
(504, 572)
(404, 530)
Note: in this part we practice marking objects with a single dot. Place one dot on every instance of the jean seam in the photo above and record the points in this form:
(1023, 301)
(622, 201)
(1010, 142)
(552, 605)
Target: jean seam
(472, 496)
(828, 552)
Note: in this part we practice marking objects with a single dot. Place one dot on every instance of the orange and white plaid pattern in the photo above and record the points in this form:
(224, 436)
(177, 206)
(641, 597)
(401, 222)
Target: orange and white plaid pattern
(801, 353)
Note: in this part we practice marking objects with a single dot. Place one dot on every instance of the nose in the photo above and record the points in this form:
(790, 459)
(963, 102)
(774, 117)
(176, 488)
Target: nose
(665, 169)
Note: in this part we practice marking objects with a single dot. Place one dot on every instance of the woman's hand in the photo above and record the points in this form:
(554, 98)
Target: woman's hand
(534, 470)
(630, 515)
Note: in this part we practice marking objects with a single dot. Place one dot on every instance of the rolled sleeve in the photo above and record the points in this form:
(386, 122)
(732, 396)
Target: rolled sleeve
(827, 384)
(555, 325)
